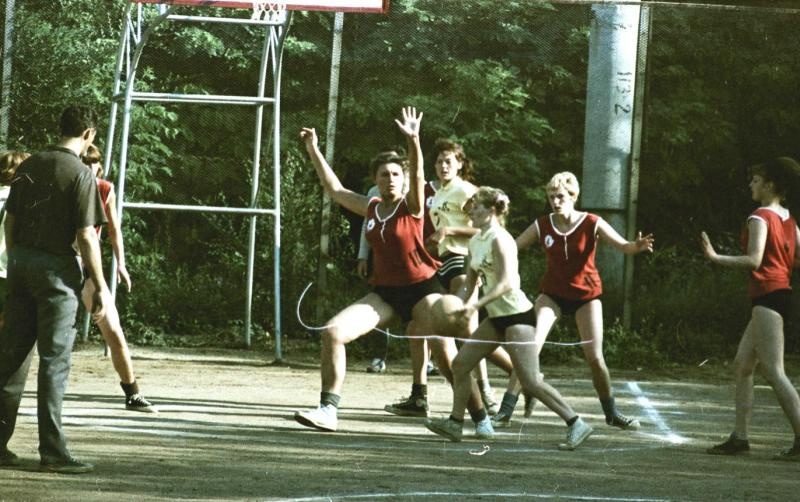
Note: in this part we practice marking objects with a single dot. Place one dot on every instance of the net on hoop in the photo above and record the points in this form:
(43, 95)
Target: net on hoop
(273, 12)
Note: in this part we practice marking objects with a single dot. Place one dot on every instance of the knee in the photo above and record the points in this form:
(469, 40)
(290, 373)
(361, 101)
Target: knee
(743, 370)
(115, 339)
(596, 362)
(772, 374)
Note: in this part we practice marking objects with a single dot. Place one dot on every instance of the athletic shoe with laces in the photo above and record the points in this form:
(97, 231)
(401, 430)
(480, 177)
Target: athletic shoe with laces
(530, 402)
(445, 427)
(323, 417)
(576, 434)
(733, 446)
(66, 466)
(409, 407)
(489, 401)
(377, 365)
(790, 454)
(432, 370)
(501, 420)
(137, 402)
(484, 429)
(8, 457)
(623, 422)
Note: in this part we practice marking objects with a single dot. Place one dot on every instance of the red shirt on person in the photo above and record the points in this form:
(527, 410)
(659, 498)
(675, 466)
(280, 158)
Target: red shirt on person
(428, 227)
(775, 270)
(571, 271)
(104, 188)
(399, 258)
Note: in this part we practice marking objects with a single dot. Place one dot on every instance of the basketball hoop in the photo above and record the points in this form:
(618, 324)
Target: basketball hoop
(272, 12)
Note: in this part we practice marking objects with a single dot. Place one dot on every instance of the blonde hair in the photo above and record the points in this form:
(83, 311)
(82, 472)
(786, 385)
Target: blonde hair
(9, 162)
(495, 198)
(565, 180)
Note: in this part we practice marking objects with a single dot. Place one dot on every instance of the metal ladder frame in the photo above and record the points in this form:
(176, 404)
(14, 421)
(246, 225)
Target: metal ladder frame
(138, 27)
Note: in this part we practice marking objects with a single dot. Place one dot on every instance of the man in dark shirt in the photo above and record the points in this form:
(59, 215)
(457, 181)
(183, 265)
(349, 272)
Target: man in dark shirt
(53, 204)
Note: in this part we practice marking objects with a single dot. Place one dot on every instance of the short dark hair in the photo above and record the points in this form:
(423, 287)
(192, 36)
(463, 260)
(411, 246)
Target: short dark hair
(76, 119)
(783, 172)
(387, 157)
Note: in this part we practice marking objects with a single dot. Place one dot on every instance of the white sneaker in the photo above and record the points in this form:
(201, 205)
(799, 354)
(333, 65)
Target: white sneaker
(484, 429)
(489, 401)
(576, 434)
(322, 418)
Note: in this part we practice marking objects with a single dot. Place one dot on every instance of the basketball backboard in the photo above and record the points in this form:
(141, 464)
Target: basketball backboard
(376, 6)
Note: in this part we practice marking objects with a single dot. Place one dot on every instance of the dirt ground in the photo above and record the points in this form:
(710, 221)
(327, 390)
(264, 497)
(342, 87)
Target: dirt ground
(225, 432)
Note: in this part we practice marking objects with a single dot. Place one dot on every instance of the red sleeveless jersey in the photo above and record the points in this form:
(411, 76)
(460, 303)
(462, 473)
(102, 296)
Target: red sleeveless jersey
(399, 255)
(428, 227)
(104, 188)
(571, 271)
(775, 270)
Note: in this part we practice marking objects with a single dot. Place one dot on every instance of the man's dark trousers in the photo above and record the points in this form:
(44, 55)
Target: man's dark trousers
(42, 303)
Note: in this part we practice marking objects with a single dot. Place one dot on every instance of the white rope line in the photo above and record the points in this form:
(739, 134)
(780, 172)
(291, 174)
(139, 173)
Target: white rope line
(427, 337)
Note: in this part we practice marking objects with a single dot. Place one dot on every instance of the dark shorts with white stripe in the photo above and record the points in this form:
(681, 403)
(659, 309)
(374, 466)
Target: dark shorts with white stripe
(453, 265)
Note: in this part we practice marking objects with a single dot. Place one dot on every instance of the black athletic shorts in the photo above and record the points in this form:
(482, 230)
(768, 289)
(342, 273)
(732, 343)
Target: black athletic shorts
(528, 318)
(403, 298)
(780, 301)
(569, 307)
(453, 265)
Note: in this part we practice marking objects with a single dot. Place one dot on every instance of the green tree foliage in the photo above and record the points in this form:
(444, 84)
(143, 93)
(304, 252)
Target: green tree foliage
(506, 79)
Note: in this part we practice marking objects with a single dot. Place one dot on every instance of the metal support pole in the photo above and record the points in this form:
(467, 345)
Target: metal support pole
(255, 176)
(609, 124)
(330, 144)
(276, 171)
(136, 34)
(636, 151)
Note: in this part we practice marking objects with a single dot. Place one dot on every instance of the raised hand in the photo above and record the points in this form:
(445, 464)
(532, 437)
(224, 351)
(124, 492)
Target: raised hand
(705, 244)
(309, 136)
(645, 243)
(411, 121)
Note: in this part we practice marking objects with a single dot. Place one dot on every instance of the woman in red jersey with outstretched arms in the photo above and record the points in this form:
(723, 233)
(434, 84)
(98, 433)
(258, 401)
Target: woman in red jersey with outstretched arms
(571, 284)
(404, 276)
(770, 241)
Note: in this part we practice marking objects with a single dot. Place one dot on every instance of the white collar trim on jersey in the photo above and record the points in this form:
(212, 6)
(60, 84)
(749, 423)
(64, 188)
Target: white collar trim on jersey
(568, 232)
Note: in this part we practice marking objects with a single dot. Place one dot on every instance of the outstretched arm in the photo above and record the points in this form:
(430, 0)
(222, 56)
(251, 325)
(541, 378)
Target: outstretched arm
(756, 242)
(416, 174)
(117, 245)
(529, 237)
(349, 199)
(608, 234)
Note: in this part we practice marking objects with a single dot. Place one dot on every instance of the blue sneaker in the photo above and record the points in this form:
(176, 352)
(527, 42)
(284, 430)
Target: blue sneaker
(484, 429)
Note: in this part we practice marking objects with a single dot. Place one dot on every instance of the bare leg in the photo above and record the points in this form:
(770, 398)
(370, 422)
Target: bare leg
(351, 323)
(589, 319)
(468, 357)
(111, 329)
(419, 358)
(744, 367)
(769, 347)
(526, 364)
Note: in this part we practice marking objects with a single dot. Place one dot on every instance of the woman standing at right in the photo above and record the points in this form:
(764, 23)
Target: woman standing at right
(770, 241)
(571, 283)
